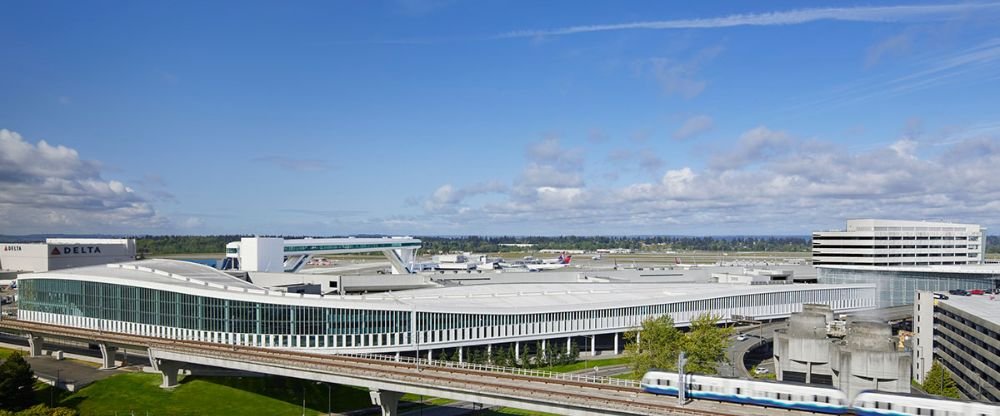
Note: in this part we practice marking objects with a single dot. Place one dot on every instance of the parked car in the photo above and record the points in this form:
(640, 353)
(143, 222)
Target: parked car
(741, 338)
(940, 296)
(977, 292)
(761, 370)
(959, 292)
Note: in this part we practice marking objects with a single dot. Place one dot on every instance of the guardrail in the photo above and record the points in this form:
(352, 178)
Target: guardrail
(607, 381)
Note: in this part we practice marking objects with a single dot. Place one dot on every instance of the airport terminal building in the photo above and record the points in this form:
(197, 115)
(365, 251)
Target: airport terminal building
(181, 300)
(63, 253)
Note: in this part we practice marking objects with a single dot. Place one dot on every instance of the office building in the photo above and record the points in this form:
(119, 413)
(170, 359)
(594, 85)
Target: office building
(899, 243)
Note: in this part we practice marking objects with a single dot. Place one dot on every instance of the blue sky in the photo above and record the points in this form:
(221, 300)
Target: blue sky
(490, 117)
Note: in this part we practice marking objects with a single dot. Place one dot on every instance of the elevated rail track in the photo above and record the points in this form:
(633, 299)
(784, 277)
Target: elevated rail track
(388, 379)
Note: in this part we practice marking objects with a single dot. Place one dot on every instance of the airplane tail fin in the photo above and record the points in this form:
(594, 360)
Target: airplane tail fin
(566, 259)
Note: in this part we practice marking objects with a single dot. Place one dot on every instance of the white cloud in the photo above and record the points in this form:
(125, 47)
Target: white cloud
(754, 146)
(680, 77)
(694, 126)
(770, 182)
(902, 13)
(895, 45)
(45, 188)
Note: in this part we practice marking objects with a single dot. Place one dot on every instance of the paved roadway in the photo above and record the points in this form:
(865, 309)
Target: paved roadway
(69, 372)
(756, 335)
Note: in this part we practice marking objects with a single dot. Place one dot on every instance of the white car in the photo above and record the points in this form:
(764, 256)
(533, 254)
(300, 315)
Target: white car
(760, 371)
(741, 338)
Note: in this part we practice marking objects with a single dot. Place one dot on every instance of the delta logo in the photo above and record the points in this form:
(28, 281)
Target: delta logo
(11, 248)
(75, 250)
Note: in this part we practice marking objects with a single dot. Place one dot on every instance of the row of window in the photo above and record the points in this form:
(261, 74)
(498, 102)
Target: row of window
(896, 238)
(144, 306)
(893, 247)
(962, 369)
(292, 249)
(886, 255)
(817, 262)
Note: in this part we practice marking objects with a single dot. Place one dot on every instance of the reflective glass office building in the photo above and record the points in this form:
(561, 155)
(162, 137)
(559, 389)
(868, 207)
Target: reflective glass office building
(897, 285)
(179, 300)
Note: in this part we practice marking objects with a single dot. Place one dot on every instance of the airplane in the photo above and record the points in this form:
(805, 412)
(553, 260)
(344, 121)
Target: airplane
(562, 259)
(679, 265)
(550, 264)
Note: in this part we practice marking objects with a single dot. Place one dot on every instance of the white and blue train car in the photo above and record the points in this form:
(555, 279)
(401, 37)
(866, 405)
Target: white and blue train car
(872, 403)
(757, 393)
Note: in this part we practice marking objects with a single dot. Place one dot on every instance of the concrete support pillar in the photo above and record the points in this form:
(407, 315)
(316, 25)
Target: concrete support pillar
(397, 356)
(517, 351)
(593, 345)
(169, 370)
(34, 345)
(461, 358)
(638, 339)
(616, 343)
(430, 356)
(107, 356)
(569, 344)
(388, 401)
(489, 353)
(542, 352)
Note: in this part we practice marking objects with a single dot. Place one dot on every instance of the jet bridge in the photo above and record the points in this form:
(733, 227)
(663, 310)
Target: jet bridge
(260, 254)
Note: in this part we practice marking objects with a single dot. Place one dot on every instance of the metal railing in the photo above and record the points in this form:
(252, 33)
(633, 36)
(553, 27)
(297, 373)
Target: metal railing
(601, 380)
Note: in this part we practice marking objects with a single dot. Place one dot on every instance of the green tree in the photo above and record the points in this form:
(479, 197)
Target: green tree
(657, 347)
(706, 344)
(939, 382)
(16, 383)
(524, 361)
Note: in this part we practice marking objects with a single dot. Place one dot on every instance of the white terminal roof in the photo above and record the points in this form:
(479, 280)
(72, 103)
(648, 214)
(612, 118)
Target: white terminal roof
(157, 271)
(976, 305)
(196, 279)
(986, 269)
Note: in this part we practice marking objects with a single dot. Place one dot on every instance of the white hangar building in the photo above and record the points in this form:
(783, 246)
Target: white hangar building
(63, 253)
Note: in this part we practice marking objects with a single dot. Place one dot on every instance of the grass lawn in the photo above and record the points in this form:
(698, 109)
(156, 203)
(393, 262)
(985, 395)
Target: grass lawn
(140, 393)
(585, 364)
(4, 352)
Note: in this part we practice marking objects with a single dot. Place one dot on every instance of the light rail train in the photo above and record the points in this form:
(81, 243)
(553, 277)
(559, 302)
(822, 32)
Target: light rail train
(808, 398)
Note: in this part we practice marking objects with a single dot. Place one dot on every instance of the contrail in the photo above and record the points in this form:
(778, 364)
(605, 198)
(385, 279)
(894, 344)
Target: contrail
(904, 13)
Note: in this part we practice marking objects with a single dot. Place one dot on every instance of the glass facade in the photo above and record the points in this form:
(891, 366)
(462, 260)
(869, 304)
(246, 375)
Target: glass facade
(294, 249)
(273, 322)
(179, 310)
(896, 287)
